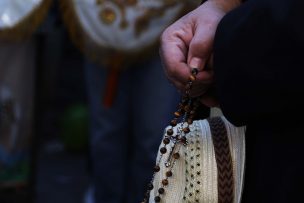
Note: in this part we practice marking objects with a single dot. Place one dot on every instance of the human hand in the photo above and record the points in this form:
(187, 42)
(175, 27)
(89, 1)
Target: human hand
(209, 98)
(188, 44)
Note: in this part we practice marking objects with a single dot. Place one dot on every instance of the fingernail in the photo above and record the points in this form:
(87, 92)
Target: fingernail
(196, 63)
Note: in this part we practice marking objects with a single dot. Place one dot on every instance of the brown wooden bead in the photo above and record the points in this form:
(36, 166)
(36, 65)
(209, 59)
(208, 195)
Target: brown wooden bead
(169, 174)
(157, 199)
(177, 114)
(165, 182)
(189, 121)
(186, 130)
(170, 132)
(161, 190)
(192, 78)
(156, 168)
(176, 155)
(150, 186)
(187, 108)
(163, 150)
(166, 141)
(173, 123)
(194, 71)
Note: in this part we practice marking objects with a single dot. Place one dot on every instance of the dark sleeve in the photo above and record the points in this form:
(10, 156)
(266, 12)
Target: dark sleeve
(259, 61)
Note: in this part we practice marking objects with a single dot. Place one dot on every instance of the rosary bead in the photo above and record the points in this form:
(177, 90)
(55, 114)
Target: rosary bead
(163, 150)
(170, 132)
(192, 78)
(161, 190)
(176, 155)
(157, 199)
(186, 130)
(187, 108)
(166, 141)
(173, 123)
(169, 174)
(150, 186)
(156, 168)
(165, 182)
(177, 114)
(194, 71)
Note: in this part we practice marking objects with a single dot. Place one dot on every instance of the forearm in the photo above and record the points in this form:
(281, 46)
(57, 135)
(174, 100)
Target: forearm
(258, 61)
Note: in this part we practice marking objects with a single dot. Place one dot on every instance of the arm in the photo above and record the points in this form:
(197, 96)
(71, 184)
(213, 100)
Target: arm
(258, 61)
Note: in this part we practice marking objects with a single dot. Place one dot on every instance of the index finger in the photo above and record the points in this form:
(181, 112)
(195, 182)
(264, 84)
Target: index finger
(174, 50)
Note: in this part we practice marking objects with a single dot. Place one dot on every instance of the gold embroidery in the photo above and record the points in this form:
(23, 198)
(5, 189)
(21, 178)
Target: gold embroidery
(107, 15)
(104, 54)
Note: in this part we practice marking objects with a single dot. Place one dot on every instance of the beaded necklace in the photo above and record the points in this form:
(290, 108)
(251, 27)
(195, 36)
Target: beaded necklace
(185, 114)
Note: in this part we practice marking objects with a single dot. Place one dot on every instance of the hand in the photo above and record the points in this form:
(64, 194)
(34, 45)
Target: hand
(188, 44)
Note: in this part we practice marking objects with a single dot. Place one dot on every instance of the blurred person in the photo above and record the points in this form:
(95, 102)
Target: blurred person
(124, 137)
(130, 99)
(18, 21)
(258, 67)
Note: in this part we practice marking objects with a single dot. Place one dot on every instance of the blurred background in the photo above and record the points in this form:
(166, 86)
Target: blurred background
(43, 114)
(47, 100)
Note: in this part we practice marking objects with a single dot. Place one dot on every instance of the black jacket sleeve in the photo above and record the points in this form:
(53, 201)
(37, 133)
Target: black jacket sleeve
(259, 61)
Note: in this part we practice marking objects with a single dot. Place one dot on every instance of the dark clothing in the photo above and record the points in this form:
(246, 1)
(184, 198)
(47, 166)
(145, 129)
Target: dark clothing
(259, 68)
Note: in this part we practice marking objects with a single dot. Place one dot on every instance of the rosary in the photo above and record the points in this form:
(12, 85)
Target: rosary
(185, 114)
